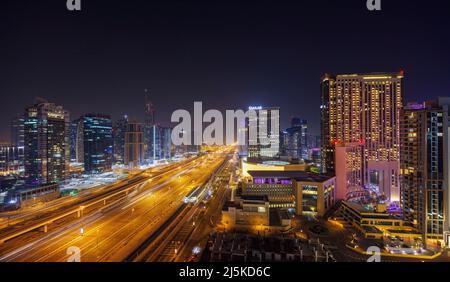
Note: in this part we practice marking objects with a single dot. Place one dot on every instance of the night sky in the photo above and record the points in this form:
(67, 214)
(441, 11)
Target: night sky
(228, 54)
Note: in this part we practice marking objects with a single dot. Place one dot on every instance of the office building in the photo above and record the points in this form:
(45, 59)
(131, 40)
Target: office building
(119, 130)
(97, 143)
(307, 192)
(364, 109)
(263, 133)
(46, 146)
(297, 139)
(18, 138)
(10, 159)
(154, 149)
(134, 144)
(149, 128)
(166, 143)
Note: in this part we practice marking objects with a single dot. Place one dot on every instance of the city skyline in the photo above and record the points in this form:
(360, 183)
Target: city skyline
(225, 131)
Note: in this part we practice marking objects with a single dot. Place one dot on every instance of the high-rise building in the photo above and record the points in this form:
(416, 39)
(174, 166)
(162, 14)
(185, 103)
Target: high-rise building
(18, 138)
(424, 164)
(119, 130)
(154, 149)
(134, 144)
(10, 159)
(297, 139)
(73, 133)
(97, 143)
(46, 147)
(79, 140)
(263, 133)
(166, 142)
(364, 109)
(149, 131)
(17, 131)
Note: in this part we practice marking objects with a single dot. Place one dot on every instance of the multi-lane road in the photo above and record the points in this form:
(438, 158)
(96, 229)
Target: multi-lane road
(112, 223)
(194, 221)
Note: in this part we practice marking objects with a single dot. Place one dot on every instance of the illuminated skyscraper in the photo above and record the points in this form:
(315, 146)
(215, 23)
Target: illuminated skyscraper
(46, 128)
(134, 144)
(364, 109)
(97, 143)
(263, 133)
(17, 131)
(149, 132)
(119, 130)
(425, 166)
(9, 159)
(297, 142)
(18, 138)
(166, 142)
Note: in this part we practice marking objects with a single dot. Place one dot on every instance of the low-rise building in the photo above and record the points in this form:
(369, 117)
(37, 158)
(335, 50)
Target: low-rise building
(247, 211)
(375, 222)
(307, 192)
(28, 196)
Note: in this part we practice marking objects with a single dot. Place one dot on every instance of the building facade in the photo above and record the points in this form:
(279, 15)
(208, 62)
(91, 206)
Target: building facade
(134, 144)
(97, 143)
(18, 138)
(119, 130)
(11, 158)
(364, 109)
(148, 127)
(307, 192)
(424, 166)
(263, 132)
(46, 146)
(166, 143)
(297, 139)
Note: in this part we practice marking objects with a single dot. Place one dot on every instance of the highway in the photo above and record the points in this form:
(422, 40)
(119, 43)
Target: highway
(195, 222)
(120, 219)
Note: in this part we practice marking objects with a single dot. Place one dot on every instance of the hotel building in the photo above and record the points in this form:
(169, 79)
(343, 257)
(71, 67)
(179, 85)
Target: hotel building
(363, 109)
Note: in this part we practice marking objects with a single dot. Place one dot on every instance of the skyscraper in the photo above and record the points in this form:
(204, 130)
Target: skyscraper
(17, 130)
(134, 144)
(46, 145)
(73, 140)
(263, 133)
(297, 139)
(119, 130)
(97, 143)
(9, 159)
(166, 142)
(149, 122)
(364, 109)
(425, 167)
